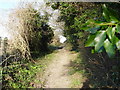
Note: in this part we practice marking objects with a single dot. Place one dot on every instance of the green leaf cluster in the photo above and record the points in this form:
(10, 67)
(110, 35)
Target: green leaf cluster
(105, 34)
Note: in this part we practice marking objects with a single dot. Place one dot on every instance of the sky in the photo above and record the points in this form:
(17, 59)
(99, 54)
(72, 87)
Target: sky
(5, 7)
(10, 4)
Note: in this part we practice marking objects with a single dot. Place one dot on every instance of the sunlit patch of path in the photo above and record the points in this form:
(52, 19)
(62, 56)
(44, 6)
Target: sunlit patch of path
(56, 75)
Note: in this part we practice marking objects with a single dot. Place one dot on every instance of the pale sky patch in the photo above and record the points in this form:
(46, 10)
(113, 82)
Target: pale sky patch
(10, 4)
(6, 6)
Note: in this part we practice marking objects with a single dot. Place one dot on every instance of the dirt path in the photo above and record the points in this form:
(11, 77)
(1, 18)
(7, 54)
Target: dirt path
(56, 75)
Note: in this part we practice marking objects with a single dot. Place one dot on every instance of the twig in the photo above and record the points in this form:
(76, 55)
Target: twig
(7, 59)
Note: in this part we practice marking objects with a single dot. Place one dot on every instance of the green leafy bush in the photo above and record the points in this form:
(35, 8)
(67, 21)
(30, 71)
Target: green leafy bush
(20, 74)
(40, 33)
(34, 34)
(75, 15)
(105, 34)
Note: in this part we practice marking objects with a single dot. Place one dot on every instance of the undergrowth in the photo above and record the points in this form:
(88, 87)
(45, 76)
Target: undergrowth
(22, 74)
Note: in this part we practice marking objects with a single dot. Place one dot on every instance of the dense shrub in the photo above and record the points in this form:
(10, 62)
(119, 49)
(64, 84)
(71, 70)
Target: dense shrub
(31, 36)
(75, 15)
(32, 28)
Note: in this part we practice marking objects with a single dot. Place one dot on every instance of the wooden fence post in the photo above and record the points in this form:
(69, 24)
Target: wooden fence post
(0, 62)
(3, 48)
(0, 50)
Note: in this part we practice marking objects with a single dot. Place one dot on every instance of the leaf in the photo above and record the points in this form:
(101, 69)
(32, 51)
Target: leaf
(85, 28)
(114, 39)
(109, 48)
(99, 40)
(101, 49)
(118, 28)
(99, 22)
(106, 13)
(113, 31)
(110, 14)
(90, 21)
(93, 30)
(90, 40)
(92, 51)
(113, 15)
(118, 44)
(111, 34)
(65, 5)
